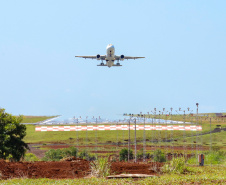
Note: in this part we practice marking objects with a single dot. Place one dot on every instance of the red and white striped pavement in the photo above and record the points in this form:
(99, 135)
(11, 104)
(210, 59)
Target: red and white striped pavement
(119, 127)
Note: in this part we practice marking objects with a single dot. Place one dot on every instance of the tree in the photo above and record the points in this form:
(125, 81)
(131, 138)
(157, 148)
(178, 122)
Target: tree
(11, 136)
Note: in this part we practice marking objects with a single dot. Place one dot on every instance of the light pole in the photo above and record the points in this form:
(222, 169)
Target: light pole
(144, 143)
(188, 113)
(77, 132)
(129, 142)
(184, 136)
(135, 140)
(86, 130)
(87, 134)
(159, 116)
(171, 132)
(155, 114)
(197, 111)
(96, 136)
(171, 109)
(197, 104)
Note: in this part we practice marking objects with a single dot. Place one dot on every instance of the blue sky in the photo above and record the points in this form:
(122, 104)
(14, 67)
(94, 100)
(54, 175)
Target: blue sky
(184, 43)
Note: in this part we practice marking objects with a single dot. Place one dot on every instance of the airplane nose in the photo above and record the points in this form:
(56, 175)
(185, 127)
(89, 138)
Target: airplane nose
(110, 46)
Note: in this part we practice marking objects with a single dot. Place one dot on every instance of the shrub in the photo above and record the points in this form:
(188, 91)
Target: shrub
(30, 157)
(85, 155)
(100, 167)
(159, 156)
(53, 155)
(176, 165)
(141, 155)
(69, 152)
(123, 154)
(58, 154)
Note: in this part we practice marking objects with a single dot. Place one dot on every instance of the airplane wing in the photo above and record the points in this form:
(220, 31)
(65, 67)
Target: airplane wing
(132, 57)
(102, 57)
(127, 57)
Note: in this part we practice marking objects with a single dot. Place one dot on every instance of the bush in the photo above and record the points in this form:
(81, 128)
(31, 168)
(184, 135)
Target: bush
(85, 155)
(58, 154)
(123, 154)
(141, 155)
(176, 165)
(159, 156)
(30, 157)
(100, 167)
(69, 152)
(52, 155)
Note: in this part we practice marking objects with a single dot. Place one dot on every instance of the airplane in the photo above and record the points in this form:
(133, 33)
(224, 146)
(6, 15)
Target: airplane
(110, 57)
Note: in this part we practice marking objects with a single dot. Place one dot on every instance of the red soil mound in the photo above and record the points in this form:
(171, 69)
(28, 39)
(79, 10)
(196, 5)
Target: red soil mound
(135, 168)
(40, 169)
(70, 169)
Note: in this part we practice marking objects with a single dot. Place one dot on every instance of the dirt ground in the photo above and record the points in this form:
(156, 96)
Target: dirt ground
(77, 168)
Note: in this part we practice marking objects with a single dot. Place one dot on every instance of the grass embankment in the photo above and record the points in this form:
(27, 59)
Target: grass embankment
(90, 137)
(204, 175)
(156, 138)
(102, 136)
(35, 119)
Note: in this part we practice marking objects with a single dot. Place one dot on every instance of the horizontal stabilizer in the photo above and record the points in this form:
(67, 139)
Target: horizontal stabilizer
(114, 65)
(117, 65)
(102, 65)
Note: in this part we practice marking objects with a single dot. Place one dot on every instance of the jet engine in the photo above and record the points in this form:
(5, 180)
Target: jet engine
(122, 57)
(98, 57)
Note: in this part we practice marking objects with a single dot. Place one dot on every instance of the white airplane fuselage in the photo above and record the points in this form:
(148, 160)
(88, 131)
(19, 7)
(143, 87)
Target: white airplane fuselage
(110, 56)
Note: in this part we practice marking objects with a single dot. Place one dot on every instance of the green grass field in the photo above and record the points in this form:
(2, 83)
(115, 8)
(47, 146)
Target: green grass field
(102, 136)
(35, 119)
(91, 137)
(113, 141)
